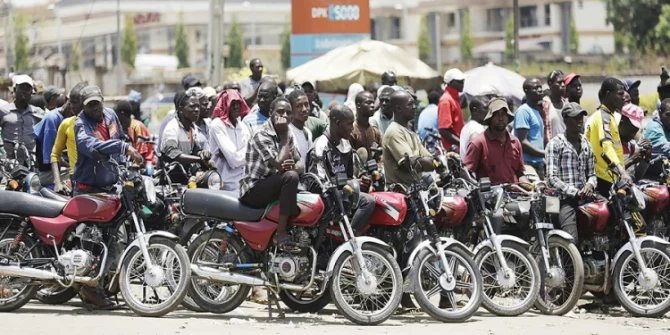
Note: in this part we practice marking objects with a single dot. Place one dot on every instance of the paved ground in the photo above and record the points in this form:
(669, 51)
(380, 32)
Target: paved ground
(250, 319)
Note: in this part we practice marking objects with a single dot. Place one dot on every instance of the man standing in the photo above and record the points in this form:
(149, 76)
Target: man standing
(554, 103)
(16, 119)
(449, 113)
(301, 135)
(428, 116)
(249, 85)
(189, 81)
(315, 109)
(267, 92)
(232, 85)
(571, 167)
(51, 95)
(635, 154)
(389, 78)
(474, 127)
(573, 87)
(135, 128)
(529, 126)
(66, 138)
(364, 134)
(633, 89)
(384, 116)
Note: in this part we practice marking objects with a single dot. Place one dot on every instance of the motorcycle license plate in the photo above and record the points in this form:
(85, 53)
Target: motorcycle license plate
(552, 205)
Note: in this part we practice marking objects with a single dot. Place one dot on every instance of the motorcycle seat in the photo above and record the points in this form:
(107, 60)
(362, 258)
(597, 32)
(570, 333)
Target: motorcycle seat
(49, 194)
(29, 205)
(219, 205)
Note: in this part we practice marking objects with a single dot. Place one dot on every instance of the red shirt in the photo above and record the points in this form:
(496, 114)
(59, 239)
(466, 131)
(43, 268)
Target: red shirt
(103, 131)
(449, 115)
(146, 150)
(488, 157)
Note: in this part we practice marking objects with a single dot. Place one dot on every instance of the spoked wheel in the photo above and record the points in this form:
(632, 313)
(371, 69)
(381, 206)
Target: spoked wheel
(446, 299)
(159, 289)
(217, 297)
(16, 292)
(563, 278)
(305, 302)
(509, 293)
(371, 295)
(644, 294)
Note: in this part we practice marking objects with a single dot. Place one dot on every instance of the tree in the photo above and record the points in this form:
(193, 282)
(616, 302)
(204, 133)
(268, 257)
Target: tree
(424, 40)
(129, 42)
(467, 44)
(181, 43)
(637, 19)
(235, 44)
(286, 47)
(75, 58)
(573, 37)
(21, 47)
(509, 39)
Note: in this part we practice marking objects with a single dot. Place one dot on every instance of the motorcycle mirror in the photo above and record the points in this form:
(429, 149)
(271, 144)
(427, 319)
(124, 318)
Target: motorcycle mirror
(453, 148)
(99, 156)
(362, 154)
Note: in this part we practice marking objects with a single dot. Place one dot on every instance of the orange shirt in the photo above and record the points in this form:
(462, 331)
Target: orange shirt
(146, 150)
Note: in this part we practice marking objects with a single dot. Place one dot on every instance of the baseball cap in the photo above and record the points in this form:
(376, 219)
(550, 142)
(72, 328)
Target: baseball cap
(495, 105)
(569, 78)
(209, 91)
(572, 109)
(23, 79)
(91, 93)
(189, 81)
(50, 92)
(453, 74)
(631, 85)
(634, 113)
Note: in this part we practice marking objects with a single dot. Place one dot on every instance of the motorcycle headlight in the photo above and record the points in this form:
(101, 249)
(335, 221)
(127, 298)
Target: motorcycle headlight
(214, 181)
(149, 189)
(33, 185)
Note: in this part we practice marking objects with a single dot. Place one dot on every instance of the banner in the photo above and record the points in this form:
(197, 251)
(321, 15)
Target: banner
(319, 26)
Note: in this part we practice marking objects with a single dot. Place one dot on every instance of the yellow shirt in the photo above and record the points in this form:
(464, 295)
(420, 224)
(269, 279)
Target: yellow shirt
(603, 134)
(65, 139)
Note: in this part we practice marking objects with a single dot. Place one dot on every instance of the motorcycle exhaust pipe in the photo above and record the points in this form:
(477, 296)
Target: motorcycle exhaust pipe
(225, 276)
(24, 272)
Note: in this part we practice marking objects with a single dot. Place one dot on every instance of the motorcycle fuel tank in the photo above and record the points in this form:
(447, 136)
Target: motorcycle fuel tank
(453, 211)
(92, 207)
(311, 209)
(390, 209)
(592, 217)
(657, 198)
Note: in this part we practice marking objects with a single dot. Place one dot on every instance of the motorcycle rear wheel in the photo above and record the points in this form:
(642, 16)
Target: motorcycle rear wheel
(224, 301)
(296, 303)
(55, 296)
(576, 269)
(18, 300)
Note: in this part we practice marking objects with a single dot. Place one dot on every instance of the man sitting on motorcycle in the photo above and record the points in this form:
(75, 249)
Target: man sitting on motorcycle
(340, 159)
(181, 141)
(271, 172)
(571, 167)
(635, 153)
(657, 131)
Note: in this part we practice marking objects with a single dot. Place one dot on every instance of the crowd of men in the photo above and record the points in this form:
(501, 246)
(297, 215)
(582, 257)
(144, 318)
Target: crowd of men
(260, 136)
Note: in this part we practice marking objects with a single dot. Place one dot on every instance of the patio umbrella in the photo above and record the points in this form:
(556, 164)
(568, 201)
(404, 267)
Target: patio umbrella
(488, 78)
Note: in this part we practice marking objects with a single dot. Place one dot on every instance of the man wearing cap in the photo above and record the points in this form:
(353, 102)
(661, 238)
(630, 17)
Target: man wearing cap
(635, 154)
(449, 114)
(573, 87)
(189, 81)
(633, 88)
(249, 86)
(571, 167)
(16, 119)
(313, 97)
(51, 94)
(98, 128)
(495, 153)
(530, 124)
(389, 78)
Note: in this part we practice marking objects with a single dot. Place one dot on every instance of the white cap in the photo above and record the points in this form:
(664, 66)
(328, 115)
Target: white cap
(23, 79)
(453, 74)
(209, 91)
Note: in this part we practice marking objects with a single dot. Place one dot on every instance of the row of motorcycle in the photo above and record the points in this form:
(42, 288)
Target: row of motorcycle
(447, 242)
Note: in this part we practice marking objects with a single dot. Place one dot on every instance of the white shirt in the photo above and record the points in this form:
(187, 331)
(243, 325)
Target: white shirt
(303, 140)
(469, 131)
(231, 143)
(176, 136)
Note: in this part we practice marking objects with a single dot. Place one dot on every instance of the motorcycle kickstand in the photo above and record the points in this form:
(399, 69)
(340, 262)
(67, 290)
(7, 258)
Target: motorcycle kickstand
(274, 297)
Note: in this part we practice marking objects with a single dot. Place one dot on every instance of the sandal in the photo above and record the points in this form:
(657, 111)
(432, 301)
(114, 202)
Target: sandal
(285, 244)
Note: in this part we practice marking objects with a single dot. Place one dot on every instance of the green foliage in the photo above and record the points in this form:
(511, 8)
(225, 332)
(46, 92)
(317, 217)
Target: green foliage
(662, 31)
(129, 44)
(75, 58)
(21, 47)
(648, 102)
(509, 39)
(467, 44)
(573, 36)
(235, 45)
(636, 19)
(286, 46)
(181, 43)
(424, 39)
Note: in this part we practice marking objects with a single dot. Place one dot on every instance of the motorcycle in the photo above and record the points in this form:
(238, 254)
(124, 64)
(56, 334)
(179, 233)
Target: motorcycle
(636, 268)
(657, 211)
(361, 275)
(46, 243)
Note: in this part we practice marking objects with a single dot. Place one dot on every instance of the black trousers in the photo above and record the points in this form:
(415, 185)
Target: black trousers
(282, 186)
(366, 206)
(567, 218)
(604, 188)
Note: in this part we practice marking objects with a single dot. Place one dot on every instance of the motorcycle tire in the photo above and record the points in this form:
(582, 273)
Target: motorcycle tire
(305, 306)
(230, 304)
(518, 250)
(475, 295)
(29, 291)
(621, 296)
(48, 297)
(577, 285)
(178, 293)
(396, 290)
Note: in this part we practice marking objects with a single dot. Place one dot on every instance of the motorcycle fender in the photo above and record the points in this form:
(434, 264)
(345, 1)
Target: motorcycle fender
(408, 284)
(346, 247)
(502, 239)
(189, 228)
(560, 233)
(638, 242)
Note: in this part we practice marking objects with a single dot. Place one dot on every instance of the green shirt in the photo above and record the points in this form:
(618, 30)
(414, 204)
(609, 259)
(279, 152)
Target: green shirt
(316, 125)
(397, 141)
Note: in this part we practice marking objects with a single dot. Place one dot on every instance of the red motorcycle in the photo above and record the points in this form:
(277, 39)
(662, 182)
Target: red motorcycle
(657, 212)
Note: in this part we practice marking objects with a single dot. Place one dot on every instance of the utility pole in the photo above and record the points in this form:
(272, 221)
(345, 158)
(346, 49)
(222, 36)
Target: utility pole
(517, 17)
(438, 42)
(5, 40)
(217, 11)
(119, 63)
(9, 38)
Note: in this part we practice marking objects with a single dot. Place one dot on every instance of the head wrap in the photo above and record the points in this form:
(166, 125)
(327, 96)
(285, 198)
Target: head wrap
(222, 109)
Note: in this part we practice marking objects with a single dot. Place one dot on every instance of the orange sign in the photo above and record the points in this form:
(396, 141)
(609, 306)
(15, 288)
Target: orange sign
(331, 16)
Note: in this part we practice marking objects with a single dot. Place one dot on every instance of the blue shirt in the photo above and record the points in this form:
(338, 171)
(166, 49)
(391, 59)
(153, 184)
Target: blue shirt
(528, 118)
(255, 119)
(45, 132)
(427, 119)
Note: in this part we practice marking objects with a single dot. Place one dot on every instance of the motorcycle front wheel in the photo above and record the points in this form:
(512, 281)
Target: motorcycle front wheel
(158, 290)
(563, 278)
(447, 299)
(644, 294)
(513, 293)
(371, 301)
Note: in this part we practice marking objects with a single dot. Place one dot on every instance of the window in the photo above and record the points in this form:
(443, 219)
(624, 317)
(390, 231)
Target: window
(496, 19)
(451, 20)
(396, 28)
(528, 16)
(143, 38)
(547, 15)
(171, 37)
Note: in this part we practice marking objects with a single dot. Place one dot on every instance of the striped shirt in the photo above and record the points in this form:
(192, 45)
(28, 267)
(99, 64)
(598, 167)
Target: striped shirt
(255, 119)
(568, 171)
